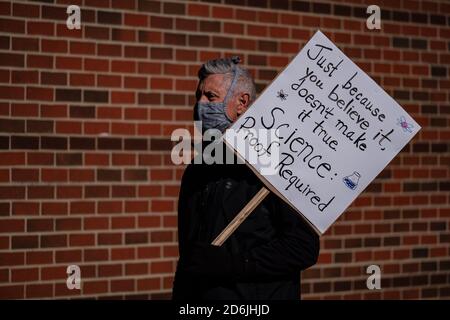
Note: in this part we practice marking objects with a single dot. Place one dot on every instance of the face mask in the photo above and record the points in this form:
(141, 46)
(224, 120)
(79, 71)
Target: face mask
(213, 115)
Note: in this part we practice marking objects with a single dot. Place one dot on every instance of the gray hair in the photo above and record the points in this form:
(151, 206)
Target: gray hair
(228, 66)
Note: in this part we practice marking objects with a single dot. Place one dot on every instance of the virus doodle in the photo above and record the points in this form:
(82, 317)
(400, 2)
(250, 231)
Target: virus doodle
(407, 127)
(282, 95)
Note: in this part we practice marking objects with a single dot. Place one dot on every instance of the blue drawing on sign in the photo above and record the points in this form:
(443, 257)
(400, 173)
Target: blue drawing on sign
(407, 127)
(352, 180)
(282, 95)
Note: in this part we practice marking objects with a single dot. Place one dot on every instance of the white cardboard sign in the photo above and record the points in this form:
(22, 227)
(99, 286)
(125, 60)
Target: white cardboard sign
(333, 131)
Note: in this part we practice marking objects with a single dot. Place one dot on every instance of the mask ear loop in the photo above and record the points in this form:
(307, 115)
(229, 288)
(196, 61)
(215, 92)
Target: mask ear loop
(237, 73)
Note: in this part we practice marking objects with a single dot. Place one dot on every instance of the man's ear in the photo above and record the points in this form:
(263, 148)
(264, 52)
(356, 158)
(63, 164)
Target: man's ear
(243, 103)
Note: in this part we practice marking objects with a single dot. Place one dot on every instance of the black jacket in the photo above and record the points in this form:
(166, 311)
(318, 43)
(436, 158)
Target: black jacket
(274, 239)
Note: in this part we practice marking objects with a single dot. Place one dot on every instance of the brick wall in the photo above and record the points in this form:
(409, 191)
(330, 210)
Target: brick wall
(85, 123)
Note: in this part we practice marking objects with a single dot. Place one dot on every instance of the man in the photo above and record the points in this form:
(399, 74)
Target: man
(263, 258)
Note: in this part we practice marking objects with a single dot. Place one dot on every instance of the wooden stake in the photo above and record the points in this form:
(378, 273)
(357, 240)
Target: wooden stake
(240, 217)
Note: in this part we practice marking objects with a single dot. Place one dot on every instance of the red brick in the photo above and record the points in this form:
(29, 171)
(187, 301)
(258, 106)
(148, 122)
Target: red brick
(39, 61)
(24, 242)
(198, 10)
(70, 63)
(136, 206)
(53, 241)
(12, 25)
(68, 224)
(61, 290)
(109, 50)
(96, 255)
(170, 222)
(25, 175)
(4, 77)
(53, 175)
(170, 251)
(12, 226)
(122, 285)
(68, 127)
(12, 158)
(43, 94)
(95, 287)
(79, 47)
(25, 275)
(14, 93)
(123, 97)
(161, 267)
(124, 35)
(96, 159)
(150, 191)
(82, 240)
(135, 82)
(123, 254)
(81, 175)
(25, 44)
(40, 28)
(12, 292)
(4, 175)
(54, 46)
(24, 76)
(137, 20)
(96, 32)
(82, 207)
(162, 206)
(110, 270)
(5, 8)
(109, 239)
(39, 291)
(110, 207)
(25, 208)
(78, 79)
(109, 81)
(35, 225)
(149, 252)
(39, 257)
(136, 268)
(54, 273)
(63, 31)
(161, 236)
(12, 258)
(149, 284)
(96, 65)
(96, 128)
(123, 128)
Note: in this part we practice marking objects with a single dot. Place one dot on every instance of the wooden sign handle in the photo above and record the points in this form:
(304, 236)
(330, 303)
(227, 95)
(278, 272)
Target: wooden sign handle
(240, 217)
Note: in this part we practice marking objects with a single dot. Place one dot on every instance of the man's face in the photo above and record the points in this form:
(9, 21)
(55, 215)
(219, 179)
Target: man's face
(214, 89)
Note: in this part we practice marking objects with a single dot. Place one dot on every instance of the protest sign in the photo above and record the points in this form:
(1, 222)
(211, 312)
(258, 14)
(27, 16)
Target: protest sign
(335, 130)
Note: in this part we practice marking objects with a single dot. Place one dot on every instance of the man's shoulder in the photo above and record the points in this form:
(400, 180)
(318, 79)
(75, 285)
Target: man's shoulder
(191, 169)
(194, 174)
(207, 172)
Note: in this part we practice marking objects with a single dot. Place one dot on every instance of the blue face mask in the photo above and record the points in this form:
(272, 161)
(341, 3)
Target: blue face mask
(213, 115)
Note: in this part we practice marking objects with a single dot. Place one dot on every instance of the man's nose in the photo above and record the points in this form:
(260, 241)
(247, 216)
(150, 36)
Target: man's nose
(203, 98)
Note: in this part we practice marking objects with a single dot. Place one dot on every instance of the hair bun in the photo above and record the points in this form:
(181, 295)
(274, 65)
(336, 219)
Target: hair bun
(235, 59)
